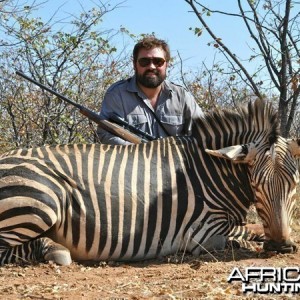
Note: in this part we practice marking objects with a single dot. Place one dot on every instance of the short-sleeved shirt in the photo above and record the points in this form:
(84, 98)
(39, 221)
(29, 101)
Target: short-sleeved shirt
(175, 109)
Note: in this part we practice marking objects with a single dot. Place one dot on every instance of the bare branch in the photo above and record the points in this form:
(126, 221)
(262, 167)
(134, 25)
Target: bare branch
(225, 48)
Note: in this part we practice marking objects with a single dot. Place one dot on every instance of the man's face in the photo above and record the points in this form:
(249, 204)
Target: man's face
(150, 68)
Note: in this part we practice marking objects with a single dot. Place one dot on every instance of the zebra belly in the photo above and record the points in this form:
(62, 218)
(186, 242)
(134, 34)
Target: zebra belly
(126, 246)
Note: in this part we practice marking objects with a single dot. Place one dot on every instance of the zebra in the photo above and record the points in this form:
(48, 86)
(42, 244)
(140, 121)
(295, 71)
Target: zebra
(93, 202)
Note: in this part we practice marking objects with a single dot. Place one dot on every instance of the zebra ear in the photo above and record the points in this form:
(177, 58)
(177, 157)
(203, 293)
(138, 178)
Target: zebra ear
(294, 146)
(237, 154)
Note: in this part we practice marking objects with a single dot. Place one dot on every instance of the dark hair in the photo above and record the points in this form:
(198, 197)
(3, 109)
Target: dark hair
(149, 42)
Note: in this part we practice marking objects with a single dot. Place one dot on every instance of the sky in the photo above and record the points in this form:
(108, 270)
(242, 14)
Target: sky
(169, 20)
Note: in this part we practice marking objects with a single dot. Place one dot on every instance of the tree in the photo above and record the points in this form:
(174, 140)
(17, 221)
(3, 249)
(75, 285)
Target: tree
(9, 8)
(273, 26)
(78, 61)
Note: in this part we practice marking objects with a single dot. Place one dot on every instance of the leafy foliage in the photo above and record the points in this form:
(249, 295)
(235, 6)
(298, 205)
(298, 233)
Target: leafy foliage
(78, 62)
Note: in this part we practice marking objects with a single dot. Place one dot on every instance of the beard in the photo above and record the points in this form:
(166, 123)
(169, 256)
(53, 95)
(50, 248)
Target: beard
(150, 81)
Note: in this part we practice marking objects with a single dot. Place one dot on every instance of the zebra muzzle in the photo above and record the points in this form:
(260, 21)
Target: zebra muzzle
(283, 247)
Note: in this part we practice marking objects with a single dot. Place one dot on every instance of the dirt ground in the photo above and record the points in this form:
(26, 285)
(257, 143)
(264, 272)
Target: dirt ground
(201, 278)
(176, 277)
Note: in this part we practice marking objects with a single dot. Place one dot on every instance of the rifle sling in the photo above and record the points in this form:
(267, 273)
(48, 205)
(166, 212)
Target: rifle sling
(159, 122)
(156, 118)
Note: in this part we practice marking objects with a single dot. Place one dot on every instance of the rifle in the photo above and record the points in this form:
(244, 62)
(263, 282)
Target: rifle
(121, 121)
(104, 124)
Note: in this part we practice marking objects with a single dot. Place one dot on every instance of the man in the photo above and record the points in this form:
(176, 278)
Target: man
(147, 100)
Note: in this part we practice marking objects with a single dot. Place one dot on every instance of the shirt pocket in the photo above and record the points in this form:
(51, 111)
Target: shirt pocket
(173, 124)
(138, 121)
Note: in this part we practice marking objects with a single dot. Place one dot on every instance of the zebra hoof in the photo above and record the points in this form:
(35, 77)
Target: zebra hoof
(60, 257)
(284, 247)
(58, 254)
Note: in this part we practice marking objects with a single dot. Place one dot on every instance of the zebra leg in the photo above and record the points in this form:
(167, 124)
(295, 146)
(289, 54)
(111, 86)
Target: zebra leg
(214, 243)
(37, 250)
(25, 224)
(250, 236)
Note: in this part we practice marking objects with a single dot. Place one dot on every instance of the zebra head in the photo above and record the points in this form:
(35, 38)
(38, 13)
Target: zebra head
(274, 175)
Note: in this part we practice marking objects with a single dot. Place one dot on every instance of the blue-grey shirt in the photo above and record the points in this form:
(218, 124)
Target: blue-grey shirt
(175, 108)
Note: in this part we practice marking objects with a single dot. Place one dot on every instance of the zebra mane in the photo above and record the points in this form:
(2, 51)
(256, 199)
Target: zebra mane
(227, 127)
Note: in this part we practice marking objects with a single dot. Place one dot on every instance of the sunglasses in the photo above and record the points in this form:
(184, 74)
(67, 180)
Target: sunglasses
(146, 61)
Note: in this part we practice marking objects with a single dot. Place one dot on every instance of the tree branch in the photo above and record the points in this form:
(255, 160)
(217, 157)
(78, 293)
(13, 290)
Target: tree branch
(225, 48)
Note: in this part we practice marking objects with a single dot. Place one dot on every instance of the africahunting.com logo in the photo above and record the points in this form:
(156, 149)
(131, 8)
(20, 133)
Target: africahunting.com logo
(265, 280)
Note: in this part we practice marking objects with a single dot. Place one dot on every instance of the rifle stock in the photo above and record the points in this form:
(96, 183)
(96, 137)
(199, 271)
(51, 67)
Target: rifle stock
(105, 124)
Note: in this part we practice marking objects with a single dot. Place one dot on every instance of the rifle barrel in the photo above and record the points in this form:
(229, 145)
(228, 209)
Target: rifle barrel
(49, 90)
(106, 125)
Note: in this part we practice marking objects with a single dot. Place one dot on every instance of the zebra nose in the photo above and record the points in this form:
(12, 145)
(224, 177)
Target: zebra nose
(280, 247)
